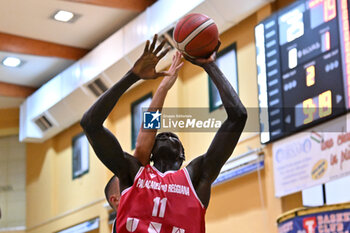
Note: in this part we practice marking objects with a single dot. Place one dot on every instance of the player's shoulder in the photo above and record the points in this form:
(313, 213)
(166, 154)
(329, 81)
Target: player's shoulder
(129, 170)
(194, 167)
(195, 162)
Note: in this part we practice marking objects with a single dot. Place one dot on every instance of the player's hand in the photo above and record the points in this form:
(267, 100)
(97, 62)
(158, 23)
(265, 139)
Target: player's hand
(173, 72)
(203, 61)
(145, 66)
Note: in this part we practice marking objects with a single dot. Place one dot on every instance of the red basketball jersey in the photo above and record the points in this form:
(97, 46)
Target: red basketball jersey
(160, 203)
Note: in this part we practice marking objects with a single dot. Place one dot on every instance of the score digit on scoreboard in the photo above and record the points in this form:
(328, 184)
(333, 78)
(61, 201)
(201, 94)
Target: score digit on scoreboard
(303, 67)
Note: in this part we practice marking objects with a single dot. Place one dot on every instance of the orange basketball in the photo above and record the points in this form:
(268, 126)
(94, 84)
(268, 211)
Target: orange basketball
(196, 35)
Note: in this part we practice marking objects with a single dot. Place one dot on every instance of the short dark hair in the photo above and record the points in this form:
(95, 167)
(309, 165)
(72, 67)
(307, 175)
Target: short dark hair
(108, 187)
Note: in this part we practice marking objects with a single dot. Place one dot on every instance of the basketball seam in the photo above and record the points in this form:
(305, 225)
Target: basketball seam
(194, 33)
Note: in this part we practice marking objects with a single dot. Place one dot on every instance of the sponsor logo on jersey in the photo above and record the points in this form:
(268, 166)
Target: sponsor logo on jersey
(178, 230)
(131, 224)
(154, 227)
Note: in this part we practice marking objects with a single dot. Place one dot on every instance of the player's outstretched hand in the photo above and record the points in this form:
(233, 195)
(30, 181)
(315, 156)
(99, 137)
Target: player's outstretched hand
(173, 72)
(203, 61)
(145, 66)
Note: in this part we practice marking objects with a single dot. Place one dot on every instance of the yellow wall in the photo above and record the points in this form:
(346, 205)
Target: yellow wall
(54, 200)
(9, 121)
(246, 204)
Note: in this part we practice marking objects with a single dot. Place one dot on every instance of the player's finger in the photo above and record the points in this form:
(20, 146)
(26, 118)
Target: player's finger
(212, 57)
(179, 66)
(174, 60)
(163, 53)
(178, 57)
(162, 73)
(172, 63)
(146, 47)
(153, 43)
(160, 47)
(177, 69)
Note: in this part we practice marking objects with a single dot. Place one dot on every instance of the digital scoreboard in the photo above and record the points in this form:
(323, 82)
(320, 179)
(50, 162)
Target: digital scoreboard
(303, 63)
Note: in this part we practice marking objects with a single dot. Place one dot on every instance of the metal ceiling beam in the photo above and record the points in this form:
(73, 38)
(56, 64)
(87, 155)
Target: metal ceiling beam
(134, 5)
(23, 45)
(14, 90)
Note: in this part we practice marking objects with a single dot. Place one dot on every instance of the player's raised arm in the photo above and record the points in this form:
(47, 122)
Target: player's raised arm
(204, 169)
(104, 143)
(146, 137)
(228, 134)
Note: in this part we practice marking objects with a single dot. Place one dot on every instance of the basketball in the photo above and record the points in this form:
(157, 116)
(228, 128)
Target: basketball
(196, 35)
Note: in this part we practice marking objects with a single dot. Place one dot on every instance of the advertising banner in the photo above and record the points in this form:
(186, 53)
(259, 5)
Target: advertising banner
(311, 158)
(326, 219)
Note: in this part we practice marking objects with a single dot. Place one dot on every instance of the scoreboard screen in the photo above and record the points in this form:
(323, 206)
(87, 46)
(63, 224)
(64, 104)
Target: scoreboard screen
(303, 63)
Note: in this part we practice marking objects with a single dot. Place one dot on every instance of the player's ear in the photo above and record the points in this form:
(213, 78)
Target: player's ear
(117, 199)
(113, 198)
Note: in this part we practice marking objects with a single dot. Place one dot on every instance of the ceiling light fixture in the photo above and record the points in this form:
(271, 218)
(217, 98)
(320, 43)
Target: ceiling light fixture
(64, 16)
(12, 62)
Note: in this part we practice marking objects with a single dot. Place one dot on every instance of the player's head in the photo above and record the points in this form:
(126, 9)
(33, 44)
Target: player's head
(112, 192)
(168, 148)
